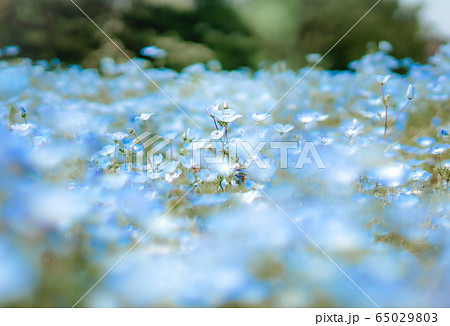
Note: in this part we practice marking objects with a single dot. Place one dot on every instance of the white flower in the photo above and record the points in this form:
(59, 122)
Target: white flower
(307, 117)
(107, 150)
(217, 134)
(206, 175)
(410, 92)
(157, 159)
(11, 50)
(326, 140)
(258, 117)
(172, 177)
(153, 52)
(383, 79)
(22, 127)
(213, 110)
(282, 129)
(227, 116)
(313, 58)
(420, 175)
(170, 135)
(351, 128)
(144, 116)
(439, 149)
(385, 46)
(118, 136)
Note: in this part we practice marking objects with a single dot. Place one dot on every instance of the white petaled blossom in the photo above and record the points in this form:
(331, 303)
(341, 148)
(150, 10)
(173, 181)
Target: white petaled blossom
(258, 117)
(118, 136)
(420, 175)
(383, 79)
(439, 149)
(352, 128)
(307, 117)
(283, 129)
(410, 92)
(170, 135)
(157, 159)
(206, 175)
(213, 110)
(227, 116)
(217, 134)
(22, 127)
(313, 57)
(144, 116)
(153, 52)
(322, 117)
(326, 140)
(385, 46)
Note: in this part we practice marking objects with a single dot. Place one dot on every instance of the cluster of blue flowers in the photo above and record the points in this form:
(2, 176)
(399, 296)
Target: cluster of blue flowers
(78, 187)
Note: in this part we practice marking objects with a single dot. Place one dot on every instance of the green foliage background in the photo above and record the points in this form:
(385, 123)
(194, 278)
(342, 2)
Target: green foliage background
(235, 32)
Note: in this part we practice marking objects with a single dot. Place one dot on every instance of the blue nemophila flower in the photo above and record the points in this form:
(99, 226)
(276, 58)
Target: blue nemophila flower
(227, 116)
(383, 79)
(157, 159)
(217, 134)
(420, 175)
(443, 133)
(206, 175)
(170, 135)
(144, 116)
(351, 128)
(118, 136)
(385, 46)
(213, 110)
(24, 128)
(153, 52)
(282, 129)
(313, 58)
(192, 134)
(326, 140)
(392, 175)
(307, 117)
(107, 150)
(438, 149)
(11, 50)
(258, 117)
(425, 141)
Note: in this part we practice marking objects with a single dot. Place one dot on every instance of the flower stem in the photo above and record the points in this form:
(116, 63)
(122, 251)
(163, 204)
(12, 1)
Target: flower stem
(115, 157)
(386, 116)
(395, 119)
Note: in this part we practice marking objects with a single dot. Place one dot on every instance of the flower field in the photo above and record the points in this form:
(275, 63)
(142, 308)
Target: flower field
(139, 187)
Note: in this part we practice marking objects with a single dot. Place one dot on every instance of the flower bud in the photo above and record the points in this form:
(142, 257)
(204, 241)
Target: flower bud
(23, 112)
(410, 92)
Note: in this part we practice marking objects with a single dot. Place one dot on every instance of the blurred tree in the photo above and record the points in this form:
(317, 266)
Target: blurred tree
(290, 29)
(323, 22)
(236, 32)
(190, 31)
(47, 29)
